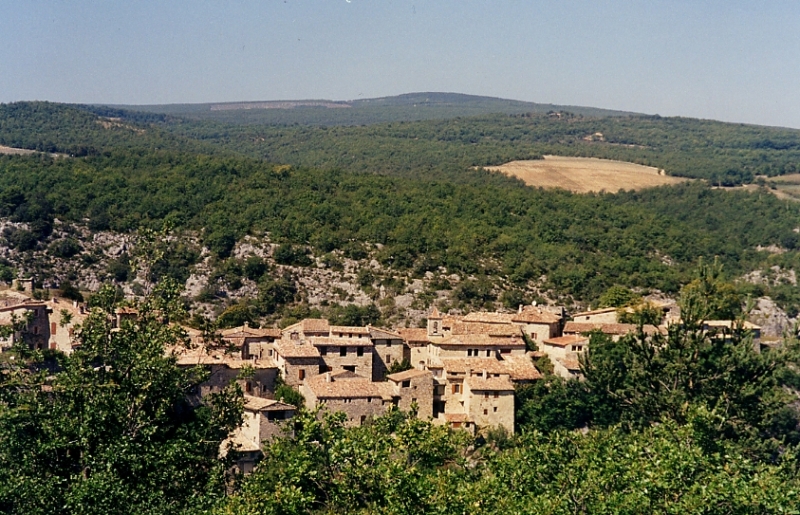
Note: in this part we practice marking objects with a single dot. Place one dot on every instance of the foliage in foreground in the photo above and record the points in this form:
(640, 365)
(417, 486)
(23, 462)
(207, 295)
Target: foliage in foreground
(400, 465)
(109, 428)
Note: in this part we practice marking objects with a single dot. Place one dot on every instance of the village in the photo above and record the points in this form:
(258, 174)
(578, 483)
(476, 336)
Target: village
(459, 370)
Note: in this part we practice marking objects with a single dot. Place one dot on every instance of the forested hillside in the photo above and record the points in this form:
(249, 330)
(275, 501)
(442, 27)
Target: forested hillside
(408, 107)
(724, 154)
(408, 195)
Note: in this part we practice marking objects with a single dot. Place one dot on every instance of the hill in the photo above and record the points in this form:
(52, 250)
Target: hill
(408, 107)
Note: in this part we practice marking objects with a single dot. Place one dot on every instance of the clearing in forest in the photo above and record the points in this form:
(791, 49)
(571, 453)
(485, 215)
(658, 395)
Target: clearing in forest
(586, 174)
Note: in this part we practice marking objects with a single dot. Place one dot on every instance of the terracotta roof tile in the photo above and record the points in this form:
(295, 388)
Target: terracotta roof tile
(613, 329)
(480, 383)
(346, 329)
(596, 312)
(488, 318)
(339, 342)
(414, 334)
(260, 404)
(377, 333)
(408, 374)
(345, 389)
(573, 365)
(534, 315)
(569, 339)
(289, 349)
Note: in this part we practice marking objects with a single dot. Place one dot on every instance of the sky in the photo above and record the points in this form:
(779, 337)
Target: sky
(730, 60)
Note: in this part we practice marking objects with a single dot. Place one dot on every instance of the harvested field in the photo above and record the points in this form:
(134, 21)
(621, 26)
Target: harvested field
(584, 174)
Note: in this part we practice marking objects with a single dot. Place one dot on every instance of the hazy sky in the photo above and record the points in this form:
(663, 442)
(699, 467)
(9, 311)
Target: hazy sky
(730, 60)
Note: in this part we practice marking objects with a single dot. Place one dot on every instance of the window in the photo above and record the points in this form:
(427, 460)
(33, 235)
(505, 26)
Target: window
(270, 352)
(388, 358)
(406, 383)
(248, 387)
(413, 399)
(495, 409)
(456, 425)
(342, 351)
(469, 352)
(263, 388)
(496, 395)
(301, 374)
(534, 336)
(486, 395)
(486, 412)
(359, 351)
(456, 388)
(488, 353)
(295, 336)
(53, 328)
(388, 343)
(350, 368)
(323, 351)
(363, 419)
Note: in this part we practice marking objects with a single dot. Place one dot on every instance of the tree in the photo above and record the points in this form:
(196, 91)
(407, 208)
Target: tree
(109, 428)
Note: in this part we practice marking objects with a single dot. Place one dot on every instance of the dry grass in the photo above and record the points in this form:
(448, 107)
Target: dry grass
(14, 151)
(584, 174)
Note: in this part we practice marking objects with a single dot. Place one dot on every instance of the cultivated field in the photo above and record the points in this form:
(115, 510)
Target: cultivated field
(583, 174)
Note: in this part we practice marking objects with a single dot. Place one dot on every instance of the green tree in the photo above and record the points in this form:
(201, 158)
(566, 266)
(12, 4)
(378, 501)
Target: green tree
(109, 429)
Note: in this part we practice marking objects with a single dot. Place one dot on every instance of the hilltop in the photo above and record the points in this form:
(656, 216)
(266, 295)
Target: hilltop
(407, 107)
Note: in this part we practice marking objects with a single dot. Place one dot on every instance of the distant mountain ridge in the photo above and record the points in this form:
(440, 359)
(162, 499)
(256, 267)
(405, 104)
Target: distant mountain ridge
(405, 107)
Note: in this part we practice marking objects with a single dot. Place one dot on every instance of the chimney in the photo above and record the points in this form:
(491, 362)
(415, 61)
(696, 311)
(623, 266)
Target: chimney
(485, 375)
(520, 309)
(328, 378)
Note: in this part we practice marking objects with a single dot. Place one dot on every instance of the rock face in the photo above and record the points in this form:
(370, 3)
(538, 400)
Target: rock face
(773, 320)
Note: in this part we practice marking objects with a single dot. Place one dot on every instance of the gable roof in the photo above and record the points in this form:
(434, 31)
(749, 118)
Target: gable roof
(408, 374)
(309, 325)
(293, 350)
(346, 329)
(535, 315)
(613, 329)
(350, 388)
(260, 404)
(568, 339)
(414, 334)
(480, 383)
(377, 333)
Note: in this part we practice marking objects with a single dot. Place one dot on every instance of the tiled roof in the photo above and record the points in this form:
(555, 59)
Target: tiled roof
(408, 374)
(339, 342)
(289, 349)
(250, 332)
(309, 325)
(349, 329)
(488, 318)
(728, 324)
(563, 341)
(345, 389)
(202, 356)
(481, 340)
(377, 333)
(434, 314)
(615, 329)
(520, 368)
(493, 384)
(572, 365)
(595, 312)
(260, 404)
(414, 334)
(492, 329)
(534, 315)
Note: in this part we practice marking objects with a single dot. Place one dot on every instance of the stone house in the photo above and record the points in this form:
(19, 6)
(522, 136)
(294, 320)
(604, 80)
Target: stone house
(359, 398)
(263, 420)
(563, 353)
(63, 318)
(388, 349)
(256, 343)
(297, 361)
(414, 387)
(223, 368)
(17, 308)
(615, 331)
